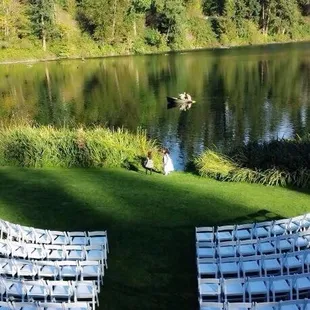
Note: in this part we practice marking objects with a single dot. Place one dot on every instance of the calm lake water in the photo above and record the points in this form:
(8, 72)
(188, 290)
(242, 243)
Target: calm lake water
(242, 94)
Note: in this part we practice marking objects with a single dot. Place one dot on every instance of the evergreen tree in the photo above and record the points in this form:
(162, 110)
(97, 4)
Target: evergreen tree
(42, 14)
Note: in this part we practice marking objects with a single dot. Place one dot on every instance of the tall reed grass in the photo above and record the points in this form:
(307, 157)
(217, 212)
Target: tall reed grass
(46, 146)
(279, 162)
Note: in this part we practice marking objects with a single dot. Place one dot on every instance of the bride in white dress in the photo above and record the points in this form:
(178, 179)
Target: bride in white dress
(167, 161)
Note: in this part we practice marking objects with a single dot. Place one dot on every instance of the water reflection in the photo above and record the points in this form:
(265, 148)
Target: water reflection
(243, 94)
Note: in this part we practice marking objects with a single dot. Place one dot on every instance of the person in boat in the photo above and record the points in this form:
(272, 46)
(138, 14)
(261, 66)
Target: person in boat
(182, 96)
(188, 97)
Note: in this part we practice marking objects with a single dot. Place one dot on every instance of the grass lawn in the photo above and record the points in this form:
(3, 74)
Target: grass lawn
(150, 222)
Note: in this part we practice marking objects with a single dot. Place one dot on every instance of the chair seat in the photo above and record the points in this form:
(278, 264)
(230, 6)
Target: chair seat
(228, 268)
(261, 232)
(250, 266)
(209, 289)
(227, 251)
(292, 262)
(280, 286)
(302, 283)
(243, 234)
(205, 252)
(234, 288)
(246, 249)
(271, 264)
(202, 269)
(266, 247)
(257, 287)
(224, 235)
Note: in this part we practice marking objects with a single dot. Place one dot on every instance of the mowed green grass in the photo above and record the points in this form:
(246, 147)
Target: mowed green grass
(150, 222)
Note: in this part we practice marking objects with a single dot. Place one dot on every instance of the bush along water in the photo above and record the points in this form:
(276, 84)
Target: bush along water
(45, 146)
(279, 162)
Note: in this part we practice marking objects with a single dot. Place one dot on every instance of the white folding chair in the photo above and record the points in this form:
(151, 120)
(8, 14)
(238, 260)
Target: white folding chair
(226, 249)
(257, 288)
(204, 234)
(247, 247)
(59, 237)
(228, 267)
(205, 249)
(92, 270)
(7, 267)
(18, 249)
(78, 238)
(251, 265)
(225, 233)
(271, 264)
(25, 268)
(35, 251)
(36, 290)
(5, 249)
(60, 290)
(75, 252)
(14, 288)
(280, 287)
(244, 231)
(207, 267)
(263, 229)
(47, 269)
(209, 289)
(86, 290)
(69, 269)
(95, 252)
(42, 236)
(233, 290)
(99, 237)
(55, 252)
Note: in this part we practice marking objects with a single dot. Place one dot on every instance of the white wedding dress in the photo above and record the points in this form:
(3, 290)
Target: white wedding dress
(168, 164)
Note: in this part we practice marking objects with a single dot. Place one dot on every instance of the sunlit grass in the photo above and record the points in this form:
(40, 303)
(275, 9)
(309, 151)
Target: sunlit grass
(150, 222)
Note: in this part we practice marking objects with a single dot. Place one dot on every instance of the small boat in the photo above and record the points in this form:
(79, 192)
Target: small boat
(174, 100)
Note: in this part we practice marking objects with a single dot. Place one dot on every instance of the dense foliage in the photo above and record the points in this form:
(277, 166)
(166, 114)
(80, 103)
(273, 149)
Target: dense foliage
(99, 27)
(279, 162)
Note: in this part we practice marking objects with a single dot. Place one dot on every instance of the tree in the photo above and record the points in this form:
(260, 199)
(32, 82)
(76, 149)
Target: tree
(12, 18)
(42, 14)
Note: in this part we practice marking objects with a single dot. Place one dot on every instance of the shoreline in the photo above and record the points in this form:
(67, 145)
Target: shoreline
(222, 47)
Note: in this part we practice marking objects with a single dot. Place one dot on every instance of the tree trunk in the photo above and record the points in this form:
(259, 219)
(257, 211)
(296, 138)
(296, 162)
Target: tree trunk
(114, 19)
(134, 28)
(43, 34)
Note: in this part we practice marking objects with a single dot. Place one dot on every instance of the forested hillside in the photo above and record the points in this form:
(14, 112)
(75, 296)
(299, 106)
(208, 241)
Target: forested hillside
(81, 28)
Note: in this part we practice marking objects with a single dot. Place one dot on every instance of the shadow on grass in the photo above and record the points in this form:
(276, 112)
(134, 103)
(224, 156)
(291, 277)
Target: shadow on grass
(150, 223)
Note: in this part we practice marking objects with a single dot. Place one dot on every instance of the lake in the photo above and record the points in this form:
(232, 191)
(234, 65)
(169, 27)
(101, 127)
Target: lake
(243, 94)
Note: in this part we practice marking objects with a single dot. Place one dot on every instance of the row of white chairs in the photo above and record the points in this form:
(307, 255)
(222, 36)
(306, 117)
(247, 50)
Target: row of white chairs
(279, 244)
(52, 291)
(56, 270)
(7, 305)
(260, 265)
(267, 289)
(301, 304)
(17, 232)
(32, 251)
(253, 230)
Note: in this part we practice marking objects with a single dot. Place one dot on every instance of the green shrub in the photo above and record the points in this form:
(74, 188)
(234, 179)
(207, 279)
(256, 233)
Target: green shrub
(279, 162)
(28, 146)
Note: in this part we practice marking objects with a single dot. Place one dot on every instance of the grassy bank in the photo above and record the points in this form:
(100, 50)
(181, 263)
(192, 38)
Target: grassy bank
(150, 222)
